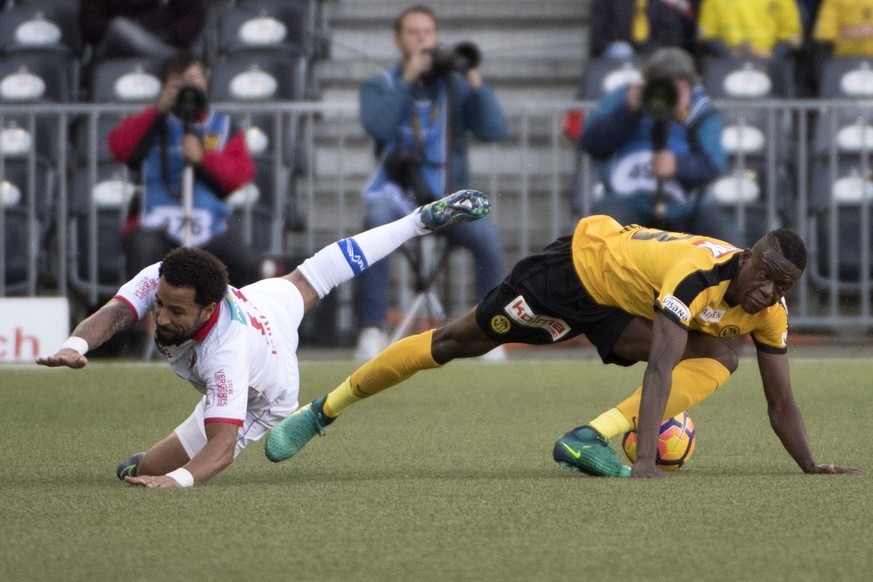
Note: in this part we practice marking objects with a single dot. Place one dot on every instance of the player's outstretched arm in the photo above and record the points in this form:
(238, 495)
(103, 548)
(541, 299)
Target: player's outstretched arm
(785, 417)
(113, 317)
(213, 458)
(668, 343)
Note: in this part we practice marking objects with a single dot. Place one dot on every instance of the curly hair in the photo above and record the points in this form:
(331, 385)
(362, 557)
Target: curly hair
(790, 245)
(197, 269)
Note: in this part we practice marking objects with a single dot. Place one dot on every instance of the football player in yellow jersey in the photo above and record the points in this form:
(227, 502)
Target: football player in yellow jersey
(675, 300)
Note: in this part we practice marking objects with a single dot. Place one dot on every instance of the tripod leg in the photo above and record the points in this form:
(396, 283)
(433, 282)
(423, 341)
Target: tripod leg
(401, 330)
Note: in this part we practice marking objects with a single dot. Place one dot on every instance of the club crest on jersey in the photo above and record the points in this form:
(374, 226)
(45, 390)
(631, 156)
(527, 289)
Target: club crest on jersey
(717, 250)
(500, 324)
(711, 315)
(521, 313)
(729, 331)
(677, 308)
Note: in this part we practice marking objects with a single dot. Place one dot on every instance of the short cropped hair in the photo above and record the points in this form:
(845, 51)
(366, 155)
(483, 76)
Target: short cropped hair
(178, 63)
(198, 269)
(790, 245)
(671, 63)
(417, 8)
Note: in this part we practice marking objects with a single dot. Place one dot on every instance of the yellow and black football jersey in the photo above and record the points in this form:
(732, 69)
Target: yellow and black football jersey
(641, 270)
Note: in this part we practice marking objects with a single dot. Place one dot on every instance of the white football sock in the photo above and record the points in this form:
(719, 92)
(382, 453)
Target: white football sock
(349, 257)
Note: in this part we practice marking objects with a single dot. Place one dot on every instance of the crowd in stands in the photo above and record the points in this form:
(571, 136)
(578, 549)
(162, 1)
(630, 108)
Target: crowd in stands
(111, 51)
(82, 52)
(745, 51)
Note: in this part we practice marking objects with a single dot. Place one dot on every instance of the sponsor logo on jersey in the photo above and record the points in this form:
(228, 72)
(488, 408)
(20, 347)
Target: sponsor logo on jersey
(520, 311)
(145, 287)
(711, 315)
(500, 324)
(729, 331)
(717, 250)
(677, 308)
(223, 388)
(353, 254)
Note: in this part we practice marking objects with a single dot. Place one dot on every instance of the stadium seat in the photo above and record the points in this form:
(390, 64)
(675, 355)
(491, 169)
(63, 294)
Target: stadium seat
(253, 77)
(744, 192)
(37, 77)
(603, 74)
(267, 24)
(125, 80)
(847, 77)
(746, 78)
(26, 212)
(840, 190)
(41, 25)
(841, 166)
(25, 134)
(254, 211)
(98, 209)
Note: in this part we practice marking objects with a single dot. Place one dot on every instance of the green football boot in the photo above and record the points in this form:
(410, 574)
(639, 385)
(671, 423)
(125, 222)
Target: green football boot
(584, 449)
(288, 437)
(461, 206)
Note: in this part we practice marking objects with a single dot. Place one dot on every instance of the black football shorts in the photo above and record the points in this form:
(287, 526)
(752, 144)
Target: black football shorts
(542, 301)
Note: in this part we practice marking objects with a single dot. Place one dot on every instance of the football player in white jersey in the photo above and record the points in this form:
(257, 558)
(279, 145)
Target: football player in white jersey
(236, 346)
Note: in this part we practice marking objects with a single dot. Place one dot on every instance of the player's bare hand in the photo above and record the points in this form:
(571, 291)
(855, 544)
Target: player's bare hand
(647, 471)
(153, 481)
(834, 470)
(65, 357)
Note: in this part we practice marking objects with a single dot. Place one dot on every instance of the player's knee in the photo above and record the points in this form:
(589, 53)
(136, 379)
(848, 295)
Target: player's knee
(728, 359)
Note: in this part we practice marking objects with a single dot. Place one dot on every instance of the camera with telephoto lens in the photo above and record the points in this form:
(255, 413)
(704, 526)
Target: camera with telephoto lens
(460, 58)
(404, 166)
(660, 98)
(190, 104)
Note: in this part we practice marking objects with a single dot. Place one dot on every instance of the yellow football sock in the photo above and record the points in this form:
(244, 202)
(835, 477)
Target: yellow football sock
(611, 423)
(395, 364)
(341, 397)
(693, 380)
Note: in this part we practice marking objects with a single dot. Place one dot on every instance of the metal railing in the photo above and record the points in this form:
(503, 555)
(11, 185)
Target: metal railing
(319, 158)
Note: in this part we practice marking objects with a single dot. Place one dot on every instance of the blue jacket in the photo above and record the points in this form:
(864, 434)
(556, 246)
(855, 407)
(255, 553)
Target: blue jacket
(623, 139)
(386, 107)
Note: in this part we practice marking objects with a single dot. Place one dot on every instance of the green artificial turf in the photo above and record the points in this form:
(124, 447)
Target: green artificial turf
(449, 477)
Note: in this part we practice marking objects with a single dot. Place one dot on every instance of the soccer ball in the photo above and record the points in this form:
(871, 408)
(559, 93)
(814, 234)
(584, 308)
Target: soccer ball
(675, 443)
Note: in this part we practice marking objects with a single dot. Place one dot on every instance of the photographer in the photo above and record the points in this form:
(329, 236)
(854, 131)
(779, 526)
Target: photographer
(158, 143)
(660, 145)
(419, 114)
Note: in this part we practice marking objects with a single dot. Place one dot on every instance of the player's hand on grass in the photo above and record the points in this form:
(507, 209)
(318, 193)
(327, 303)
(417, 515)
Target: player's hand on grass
(65, 357)
(834, 470)
(645, 470)
(153, 481)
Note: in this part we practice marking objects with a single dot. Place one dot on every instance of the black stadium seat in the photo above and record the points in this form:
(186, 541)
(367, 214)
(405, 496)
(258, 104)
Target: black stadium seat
(98, 209)
(26, 207)
(41, 25)
(266, 24)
